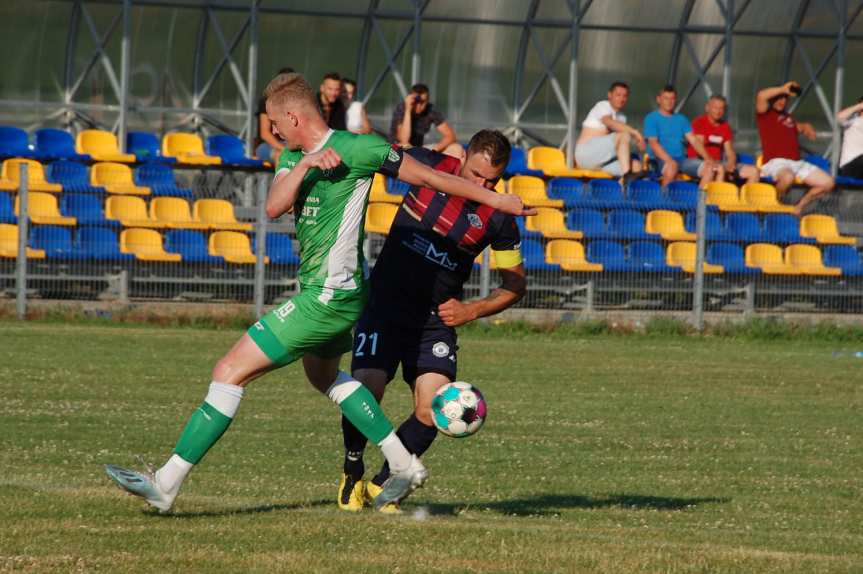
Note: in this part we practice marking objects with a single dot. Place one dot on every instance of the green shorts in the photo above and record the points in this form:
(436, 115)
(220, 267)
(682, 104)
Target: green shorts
(305, 325)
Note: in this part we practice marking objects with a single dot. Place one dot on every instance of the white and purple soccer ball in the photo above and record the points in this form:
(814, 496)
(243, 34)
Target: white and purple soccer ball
(459, 409)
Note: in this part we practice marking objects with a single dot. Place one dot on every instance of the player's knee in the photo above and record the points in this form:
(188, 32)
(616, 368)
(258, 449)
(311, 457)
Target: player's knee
(423, 413)
(225, 371)
(622, 138)
(784, 179)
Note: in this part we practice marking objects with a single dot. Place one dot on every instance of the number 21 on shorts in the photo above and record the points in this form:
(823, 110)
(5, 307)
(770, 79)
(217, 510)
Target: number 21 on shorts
(366, 342)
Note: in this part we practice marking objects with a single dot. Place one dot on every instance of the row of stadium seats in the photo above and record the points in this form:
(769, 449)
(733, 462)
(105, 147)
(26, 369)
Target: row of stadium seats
(129, 211)
(104, 177)
(100, 145)
(101, 244)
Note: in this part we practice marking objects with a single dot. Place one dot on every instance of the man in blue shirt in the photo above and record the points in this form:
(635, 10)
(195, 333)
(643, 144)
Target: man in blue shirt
(666, 131)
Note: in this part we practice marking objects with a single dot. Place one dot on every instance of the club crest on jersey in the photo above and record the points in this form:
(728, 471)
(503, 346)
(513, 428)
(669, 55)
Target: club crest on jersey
(440, 349)
(474, 220)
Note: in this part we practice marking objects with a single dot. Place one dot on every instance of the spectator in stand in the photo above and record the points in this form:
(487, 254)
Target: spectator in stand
(851, 160)
(780, 148)
(606, 141)
(267, 145)
(330, 101)
(413, 119)
(715, 134)
(356, 118)
(666, 130)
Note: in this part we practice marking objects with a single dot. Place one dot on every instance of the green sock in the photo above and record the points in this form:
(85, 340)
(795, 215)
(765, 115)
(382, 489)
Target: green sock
(209, 422)
(360, 407)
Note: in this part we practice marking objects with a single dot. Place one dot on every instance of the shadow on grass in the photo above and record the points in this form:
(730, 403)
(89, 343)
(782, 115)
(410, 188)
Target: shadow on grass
(263, 509)
(550, 504)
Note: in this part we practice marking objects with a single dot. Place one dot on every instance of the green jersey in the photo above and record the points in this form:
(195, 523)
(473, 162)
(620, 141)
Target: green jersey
(330, 212)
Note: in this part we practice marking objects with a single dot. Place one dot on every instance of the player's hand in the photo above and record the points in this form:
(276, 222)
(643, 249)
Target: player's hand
(454, 313)
(786, 87)
(323, 160)
(409, 101)
(513, 205)
(639, 140)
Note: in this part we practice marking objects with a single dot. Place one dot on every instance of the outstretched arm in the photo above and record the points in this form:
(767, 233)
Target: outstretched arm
(513, 285)
(845, 114)
(415, 173)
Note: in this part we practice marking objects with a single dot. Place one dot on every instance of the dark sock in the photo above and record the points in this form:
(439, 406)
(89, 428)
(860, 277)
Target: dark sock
(416, 437)
(355, 444)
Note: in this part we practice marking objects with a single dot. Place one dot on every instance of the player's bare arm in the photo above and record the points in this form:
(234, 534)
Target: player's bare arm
(415, 173)
(513, 285)
(286, 187)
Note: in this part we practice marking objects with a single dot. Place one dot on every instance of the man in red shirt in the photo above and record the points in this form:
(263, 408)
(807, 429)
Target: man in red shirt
(715, 135)
(780, 149)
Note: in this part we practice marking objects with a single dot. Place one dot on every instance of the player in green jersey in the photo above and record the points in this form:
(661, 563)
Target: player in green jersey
(324, 177)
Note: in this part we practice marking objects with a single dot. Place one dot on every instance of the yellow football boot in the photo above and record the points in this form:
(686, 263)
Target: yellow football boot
(371, 491)
(351, 493)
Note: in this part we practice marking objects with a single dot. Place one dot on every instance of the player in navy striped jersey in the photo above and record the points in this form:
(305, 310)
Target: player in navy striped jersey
(416, 299)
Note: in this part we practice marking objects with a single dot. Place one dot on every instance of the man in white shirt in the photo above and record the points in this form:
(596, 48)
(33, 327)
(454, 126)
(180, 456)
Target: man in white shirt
(851, 159)
(605, 141)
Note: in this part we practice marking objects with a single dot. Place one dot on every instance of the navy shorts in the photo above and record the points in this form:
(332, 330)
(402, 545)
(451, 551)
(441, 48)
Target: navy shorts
(383, 344)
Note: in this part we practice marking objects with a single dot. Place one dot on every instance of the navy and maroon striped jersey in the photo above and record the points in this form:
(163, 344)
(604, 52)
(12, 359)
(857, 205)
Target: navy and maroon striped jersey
(431, 247)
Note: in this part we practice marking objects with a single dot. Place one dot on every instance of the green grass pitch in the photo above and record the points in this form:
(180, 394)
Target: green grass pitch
(611, 454)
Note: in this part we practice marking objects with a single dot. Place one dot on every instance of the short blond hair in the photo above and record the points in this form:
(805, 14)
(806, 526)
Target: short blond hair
(291, 89)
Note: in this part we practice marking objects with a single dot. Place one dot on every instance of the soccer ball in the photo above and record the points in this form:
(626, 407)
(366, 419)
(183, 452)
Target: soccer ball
(459, 409)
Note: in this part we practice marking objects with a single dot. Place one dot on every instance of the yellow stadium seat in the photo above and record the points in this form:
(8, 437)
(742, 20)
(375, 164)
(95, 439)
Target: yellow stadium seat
(569, 255)
(379, 217)
(551, 224)
(218, 214)
(9, 243)
(552, 162)
(43, 210)
(379, 191)
(130, 211)
(146, 244)
(11, 176)
(500, 186)
(769, 258)
(824, 229)
(187, 148)
(116, 178)
(233, 246)
(531, 190)
(725, 196)
(807, 259)
(682, 254)
(174, 212)
(668, 224)
(762, 196)
(102, 146)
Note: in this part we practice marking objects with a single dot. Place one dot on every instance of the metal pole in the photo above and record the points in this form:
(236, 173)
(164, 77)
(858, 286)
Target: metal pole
(485, 274)
(842, 6)
(575, 8)
(125, 73)
(729, 34)
(260, 244)
(416, 59)
(251, 108)
(698, 287)
(21, 263)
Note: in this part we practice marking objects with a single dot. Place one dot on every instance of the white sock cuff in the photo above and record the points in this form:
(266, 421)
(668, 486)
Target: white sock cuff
(224, 398)
(343, 387)
(180, 462)
(387, 440)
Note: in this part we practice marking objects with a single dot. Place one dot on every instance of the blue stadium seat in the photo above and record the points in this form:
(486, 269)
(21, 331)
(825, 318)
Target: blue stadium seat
(611, 254)
(649, 256)
(730, 256)
(518, 164)
(605, 194)
(627, 224)
(147, 148)
(568, 189)
(784, 228)
(533, 254)
(73, 176)
(588, 221)
(7, 209)
(14, 143)
(192, 245)
(99, 243)
(745, 159)
(55, 144)
(85, 208)
(819, 161)
(231, 149)
(683, 195)
(524, 232)
(745, 227)
(647, 194)
(160, 179)
(55, 240)
(844, 181)
(397, 186)
(844, 256)
(280, 249)
(716, 231)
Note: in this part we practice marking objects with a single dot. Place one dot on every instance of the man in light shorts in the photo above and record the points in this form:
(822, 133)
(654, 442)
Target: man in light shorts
(780, 149)
(605, 141)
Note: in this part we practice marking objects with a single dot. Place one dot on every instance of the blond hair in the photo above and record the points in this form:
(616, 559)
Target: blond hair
(291, 89)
